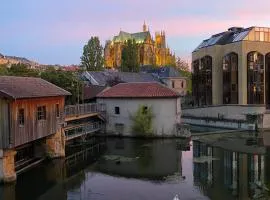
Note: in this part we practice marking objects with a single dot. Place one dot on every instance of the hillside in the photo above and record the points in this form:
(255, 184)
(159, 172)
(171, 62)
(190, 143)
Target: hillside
(15, 60)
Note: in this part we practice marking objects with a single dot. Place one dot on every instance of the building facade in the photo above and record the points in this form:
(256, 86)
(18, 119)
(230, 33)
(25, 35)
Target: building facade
(150, 51)
(31, 118)
(123, 100)
(233, 67)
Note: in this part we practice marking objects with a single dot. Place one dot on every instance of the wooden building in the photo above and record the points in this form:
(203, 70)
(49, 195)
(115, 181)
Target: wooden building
(30, 109)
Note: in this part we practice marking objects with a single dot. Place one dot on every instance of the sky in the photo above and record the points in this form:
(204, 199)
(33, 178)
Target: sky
(54, 31)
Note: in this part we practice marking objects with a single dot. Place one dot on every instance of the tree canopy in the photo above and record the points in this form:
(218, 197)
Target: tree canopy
(183, 67)
(64, 79)
(129, 59)
(92, 58)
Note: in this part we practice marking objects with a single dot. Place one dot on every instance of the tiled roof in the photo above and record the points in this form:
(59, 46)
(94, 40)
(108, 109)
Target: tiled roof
(28, 87)
(91, 91)
(128, 77)
(138, 90)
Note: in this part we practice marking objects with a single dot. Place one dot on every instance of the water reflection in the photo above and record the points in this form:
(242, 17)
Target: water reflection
(230, 168)
(152, 160)
(215, 167)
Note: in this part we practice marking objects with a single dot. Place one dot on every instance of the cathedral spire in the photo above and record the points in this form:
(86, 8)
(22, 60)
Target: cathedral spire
(144, 27)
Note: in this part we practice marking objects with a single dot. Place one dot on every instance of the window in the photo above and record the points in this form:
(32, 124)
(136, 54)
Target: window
(145, 110)
(255, 78)
(21, 117)
(172, 84)
(182, 84)
(230, 79)
(116, 110)
(41, 113)
(57, 110)
(202, 81)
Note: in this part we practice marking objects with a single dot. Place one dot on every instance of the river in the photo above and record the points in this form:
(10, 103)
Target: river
(136, 169)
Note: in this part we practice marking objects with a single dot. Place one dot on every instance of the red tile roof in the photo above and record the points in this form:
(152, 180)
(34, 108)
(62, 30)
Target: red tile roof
(138, 90)
(28, 87)
(91, 91)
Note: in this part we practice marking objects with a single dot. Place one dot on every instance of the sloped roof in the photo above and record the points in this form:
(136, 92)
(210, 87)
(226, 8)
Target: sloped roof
(138, 37)
(138, 90)
(234, 34)
(91, 91)
(163, 72)
(28, 87)
(128, 77)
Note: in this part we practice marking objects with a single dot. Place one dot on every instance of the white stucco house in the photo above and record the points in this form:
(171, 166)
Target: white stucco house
(123, 100)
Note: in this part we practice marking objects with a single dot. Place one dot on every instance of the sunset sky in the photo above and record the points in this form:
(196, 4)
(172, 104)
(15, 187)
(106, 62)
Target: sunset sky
(54, 31)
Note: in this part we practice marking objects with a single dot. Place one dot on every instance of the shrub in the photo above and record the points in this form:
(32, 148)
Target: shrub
(143, 121)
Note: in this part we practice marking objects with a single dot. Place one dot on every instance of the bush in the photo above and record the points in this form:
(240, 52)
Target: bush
(143, 121)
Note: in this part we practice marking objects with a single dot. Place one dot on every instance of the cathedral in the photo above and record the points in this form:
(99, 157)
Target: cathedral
(150, 51)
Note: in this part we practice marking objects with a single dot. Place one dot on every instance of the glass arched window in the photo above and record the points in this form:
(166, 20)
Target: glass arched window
(202, 81)
(255, 78)
(230, 79)
(205, 87)
(195, 81)
(267, 80)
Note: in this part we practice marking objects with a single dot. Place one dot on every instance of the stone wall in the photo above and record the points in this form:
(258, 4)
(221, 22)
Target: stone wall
(7, 166)
(55, 145)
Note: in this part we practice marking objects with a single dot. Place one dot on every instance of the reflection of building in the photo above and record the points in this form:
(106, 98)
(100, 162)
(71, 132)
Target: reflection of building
(150, 159)
(150, 52)
(125, 100)
(227, 174)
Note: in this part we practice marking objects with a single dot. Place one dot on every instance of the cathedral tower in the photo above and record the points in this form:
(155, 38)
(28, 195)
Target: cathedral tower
(144, 27)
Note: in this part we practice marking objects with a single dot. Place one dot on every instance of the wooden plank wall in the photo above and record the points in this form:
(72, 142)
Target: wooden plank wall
(33, 128)
(4, 124)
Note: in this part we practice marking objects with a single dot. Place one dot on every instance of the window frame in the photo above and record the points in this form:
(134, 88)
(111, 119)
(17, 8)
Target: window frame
(21, 117)
(117, 110)
(41, 113)
(57, 110)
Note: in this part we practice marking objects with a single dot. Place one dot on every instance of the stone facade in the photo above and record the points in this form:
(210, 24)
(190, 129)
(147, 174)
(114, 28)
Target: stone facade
(166, 111)
(7, 166)
(150, 51)
(55, 145)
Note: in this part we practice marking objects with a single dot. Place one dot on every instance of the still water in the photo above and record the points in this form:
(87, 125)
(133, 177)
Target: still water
(132, 169)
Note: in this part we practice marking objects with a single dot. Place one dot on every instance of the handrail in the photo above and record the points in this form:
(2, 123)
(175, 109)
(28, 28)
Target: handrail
(83, 129)
(82, 109)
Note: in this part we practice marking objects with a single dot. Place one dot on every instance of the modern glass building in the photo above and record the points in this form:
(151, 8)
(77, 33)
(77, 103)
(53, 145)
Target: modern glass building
(233, 67)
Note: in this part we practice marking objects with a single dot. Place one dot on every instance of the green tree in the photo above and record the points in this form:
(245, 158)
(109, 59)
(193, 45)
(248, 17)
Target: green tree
(183, 67)
(66, 80)
(143, 121)
(3, 70)
(129, 59)
(22, 70)
(92, 58)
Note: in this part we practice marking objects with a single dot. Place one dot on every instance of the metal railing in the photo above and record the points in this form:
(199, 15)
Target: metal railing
(83, 109)
(82, 130)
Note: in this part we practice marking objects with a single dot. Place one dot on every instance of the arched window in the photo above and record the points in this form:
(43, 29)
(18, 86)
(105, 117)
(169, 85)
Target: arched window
(202, 81)
(267, 80)
(230, 79)
(255, 78)
(195, 81)
(206, 81)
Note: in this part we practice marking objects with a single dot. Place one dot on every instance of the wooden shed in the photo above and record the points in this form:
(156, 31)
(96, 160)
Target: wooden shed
(30, 109)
